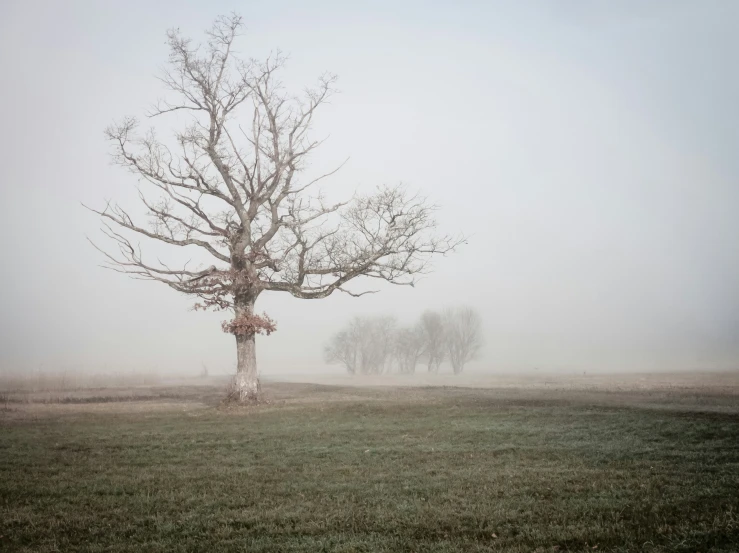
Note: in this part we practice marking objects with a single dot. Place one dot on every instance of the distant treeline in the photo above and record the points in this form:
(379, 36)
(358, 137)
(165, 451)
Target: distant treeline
(376, 345)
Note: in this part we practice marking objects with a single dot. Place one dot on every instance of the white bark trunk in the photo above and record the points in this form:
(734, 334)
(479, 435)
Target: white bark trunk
(246, 382)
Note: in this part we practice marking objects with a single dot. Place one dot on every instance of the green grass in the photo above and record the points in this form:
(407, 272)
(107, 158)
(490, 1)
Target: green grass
(427, 470)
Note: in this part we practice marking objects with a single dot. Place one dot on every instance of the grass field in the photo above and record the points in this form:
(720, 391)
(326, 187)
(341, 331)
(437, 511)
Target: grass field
(338, 468)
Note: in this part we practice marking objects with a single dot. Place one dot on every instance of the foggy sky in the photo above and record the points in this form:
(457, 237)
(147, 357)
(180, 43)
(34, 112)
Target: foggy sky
(588, 149)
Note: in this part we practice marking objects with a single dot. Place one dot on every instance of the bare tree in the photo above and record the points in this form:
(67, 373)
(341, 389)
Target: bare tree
(374, 341)
(342, 348)
(409, 346)
(380, 343)
(365, 346)
(232, 186)
(435, 339)
(345, 347)
(463, 329)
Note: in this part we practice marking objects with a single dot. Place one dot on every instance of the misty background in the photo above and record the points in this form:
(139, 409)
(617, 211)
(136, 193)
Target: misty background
(588, 150)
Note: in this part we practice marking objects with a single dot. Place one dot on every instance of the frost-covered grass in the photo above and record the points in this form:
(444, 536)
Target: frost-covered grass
(339, 469)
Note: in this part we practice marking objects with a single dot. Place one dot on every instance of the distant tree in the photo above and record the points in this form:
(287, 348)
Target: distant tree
(409, 347)
(231, 186)
(463, 330)
(344, 348)
(379, 344)
(364, 346)
(434, 339)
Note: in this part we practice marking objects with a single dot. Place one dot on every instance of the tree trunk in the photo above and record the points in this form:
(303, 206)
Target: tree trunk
(246, 382)
(434, 363)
